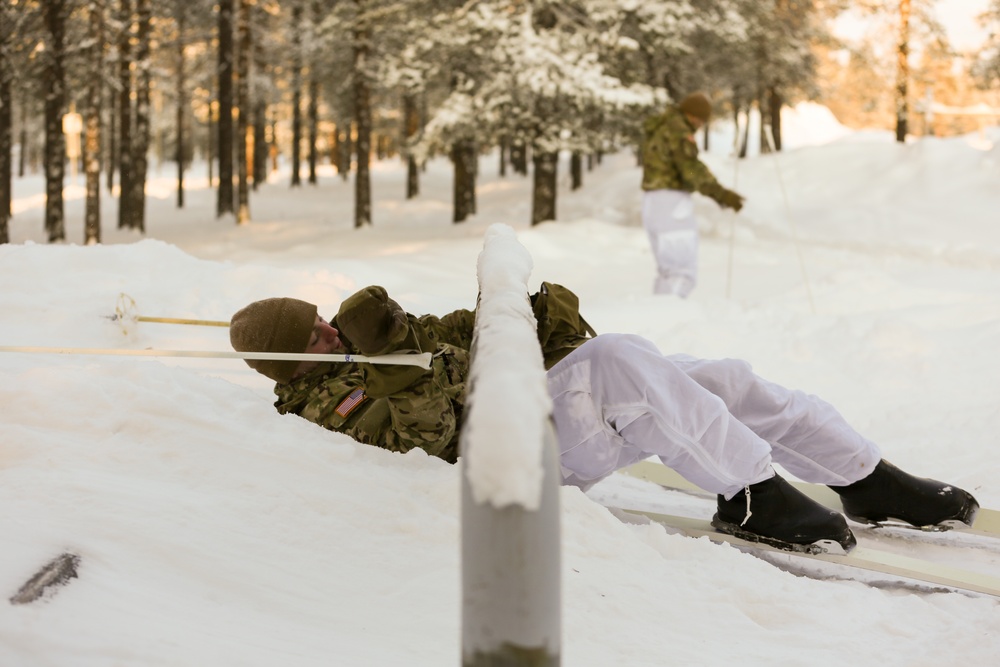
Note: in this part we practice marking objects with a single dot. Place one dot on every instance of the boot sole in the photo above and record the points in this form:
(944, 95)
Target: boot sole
(965, 520)
(829, 546)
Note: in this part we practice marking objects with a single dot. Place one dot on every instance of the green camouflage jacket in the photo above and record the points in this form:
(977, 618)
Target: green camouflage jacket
(402, 407)
(670, 158)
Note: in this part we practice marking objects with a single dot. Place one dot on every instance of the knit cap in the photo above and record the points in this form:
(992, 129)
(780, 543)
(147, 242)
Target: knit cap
(281, 325)
(697, 105)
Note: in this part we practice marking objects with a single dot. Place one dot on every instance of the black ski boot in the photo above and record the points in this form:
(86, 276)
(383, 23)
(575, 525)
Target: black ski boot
(775, 512)
(889, 494)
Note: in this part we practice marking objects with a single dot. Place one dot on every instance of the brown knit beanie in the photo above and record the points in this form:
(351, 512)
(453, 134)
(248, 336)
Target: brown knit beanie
(697, 105)
(273, 325)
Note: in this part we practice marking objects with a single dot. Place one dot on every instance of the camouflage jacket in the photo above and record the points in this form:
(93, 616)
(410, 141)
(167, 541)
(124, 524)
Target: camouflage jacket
(402, 407)
(670, 157)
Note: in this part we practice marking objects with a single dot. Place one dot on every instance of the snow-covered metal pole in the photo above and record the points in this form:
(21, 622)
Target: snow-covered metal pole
(511, 589)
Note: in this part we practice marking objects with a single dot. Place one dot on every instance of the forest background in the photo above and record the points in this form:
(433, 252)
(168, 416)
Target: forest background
(101, 87)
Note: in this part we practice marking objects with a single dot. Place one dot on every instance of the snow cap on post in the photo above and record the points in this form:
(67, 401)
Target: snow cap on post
(508, 406)
(281, 325)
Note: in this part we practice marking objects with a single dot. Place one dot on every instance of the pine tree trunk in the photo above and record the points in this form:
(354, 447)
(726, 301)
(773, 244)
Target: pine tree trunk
(765, 120)
(22, 154)
(363, 118)
(519, 156)
(260, 146)
(464, 187)
(411, 127)
(543, 199)
(6, 144)
(576, 170)
(347, 151)
(181, 13)
(243, 111)
(140, 144)
(111, 157)
(211, 142)
(743, 136)
(774, 103)
(314, 102)
(296, 92)
(92, 143)
(903, 72)
(274, 151)
(335, 149)
(125, 114)
(504, 152)
(363, 122)
(473, 158)
(225, 201)
(55, 106)
(313, 111)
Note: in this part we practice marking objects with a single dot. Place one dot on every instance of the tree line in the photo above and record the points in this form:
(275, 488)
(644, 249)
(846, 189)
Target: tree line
(238, 81)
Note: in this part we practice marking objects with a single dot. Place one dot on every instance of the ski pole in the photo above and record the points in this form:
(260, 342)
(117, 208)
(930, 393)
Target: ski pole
(171, 320)
(423, 360)
(125, 313)
(732, 230)
(791, 220)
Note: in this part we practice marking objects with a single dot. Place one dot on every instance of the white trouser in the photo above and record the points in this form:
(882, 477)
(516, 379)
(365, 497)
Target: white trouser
(618, 400)
(668, 216)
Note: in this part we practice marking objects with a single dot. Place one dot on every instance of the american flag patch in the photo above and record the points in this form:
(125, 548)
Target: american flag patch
(347, 405)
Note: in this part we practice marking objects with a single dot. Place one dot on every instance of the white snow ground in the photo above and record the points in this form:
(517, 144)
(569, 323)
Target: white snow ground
(213, 531)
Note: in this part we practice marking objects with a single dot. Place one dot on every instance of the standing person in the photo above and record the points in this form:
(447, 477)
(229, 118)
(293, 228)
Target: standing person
(616, 400)
(671, 171)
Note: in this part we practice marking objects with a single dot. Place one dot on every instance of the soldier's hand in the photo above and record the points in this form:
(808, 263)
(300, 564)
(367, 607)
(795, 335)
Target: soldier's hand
(372, 321)
(732, 200)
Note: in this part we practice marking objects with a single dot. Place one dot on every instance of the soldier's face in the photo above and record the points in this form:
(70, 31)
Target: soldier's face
(695, 121)
(323, 340)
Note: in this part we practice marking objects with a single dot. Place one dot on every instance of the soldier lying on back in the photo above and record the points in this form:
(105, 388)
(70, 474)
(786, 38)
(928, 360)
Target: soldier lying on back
(616, 400)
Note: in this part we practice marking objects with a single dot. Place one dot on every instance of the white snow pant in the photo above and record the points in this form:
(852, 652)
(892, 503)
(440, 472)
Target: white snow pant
(668, 216)
(618, 400)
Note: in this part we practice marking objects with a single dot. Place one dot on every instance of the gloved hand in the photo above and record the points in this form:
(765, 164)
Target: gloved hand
(731, 200)
(374, 323)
